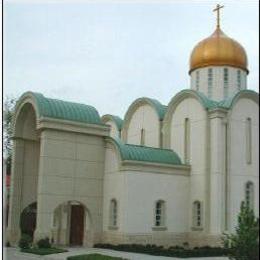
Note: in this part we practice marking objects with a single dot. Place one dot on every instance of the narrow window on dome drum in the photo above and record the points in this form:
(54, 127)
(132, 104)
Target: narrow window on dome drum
(249, 195)
(248, 140)
(210, 79)
(225, 82)
(197, 80)
(239, 80)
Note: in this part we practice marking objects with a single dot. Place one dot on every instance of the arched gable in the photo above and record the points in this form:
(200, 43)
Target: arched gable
(206, 104)
(246, 93)
(159, 112)
(116, 119)
(115, 123)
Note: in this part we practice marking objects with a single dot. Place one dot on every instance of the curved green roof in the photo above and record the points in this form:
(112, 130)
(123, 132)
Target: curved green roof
(146, 154)
(228, 103)
(159, 108)
(54, 108)
(212, 104)
(118, 121)
(204, 100)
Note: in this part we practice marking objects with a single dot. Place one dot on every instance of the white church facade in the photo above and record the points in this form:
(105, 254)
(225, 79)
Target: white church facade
(163, 175)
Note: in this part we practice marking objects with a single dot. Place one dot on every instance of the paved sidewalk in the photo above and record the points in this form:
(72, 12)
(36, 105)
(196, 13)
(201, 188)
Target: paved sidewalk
(14, 254)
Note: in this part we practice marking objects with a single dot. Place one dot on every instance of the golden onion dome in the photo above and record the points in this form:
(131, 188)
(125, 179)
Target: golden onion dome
(218, 50)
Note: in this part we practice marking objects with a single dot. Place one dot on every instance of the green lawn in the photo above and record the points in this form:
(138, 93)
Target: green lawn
(94, 257)
(44, 251)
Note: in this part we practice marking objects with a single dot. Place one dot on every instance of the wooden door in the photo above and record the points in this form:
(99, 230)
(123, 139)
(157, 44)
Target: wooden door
(76, 225)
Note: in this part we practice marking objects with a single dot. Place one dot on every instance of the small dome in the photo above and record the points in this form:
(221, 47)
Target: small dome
(218, 50)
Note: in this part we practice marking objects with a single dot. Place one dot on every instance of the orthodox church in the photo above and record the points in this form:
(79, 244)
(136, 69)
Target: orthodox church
(165, 174)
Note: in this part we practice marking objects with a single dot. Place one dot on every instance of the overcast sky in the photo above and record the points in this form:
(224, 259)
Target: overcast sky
(109, 54)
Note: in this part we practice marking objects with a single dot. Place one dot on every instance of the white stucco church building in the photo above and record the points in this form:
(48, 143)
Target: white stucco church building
(165, 174)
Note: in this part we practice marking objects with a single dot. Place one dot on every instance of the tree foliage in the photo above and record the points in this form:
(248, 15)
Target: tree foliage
(9, 106)
(244, 244)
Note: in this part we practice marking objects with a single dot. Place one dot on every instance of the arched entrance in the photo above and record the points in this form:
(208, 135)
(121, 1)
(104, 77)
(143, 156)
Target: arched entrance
(77, 216)
(71, 224)
(28, 219)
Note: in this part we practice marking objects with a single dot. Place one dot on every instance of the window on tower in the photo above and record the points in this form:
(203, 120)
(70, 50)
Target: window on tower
(225, 82)
(210, 82)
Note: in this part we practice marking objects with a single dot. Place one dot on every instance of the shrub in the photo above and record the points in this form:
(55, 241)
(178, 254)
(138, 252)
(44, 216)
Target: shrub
(174, 251)
(244, 244)
(25, 241)
(44, 243)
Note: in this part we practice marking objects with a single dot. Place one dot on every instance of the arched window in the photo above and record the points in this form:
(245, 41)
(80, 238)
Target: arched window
(197, 214)
(249, 194)
(238, 79)
(210, 82)
(187, 140)
(248, 140)
(160, 213)
(225, 82)
(142, 141)
(113, 213)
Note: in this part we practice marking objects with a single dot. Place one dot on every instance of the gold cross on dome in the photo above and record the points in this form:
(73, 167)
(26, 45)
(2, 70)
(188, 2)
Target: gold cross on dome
(218, 7)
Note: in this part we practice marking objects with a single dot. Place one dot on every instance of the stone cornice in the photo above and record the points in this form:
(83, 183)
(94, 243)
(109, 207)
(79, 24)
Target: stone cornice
(76, 127)
(183, 170)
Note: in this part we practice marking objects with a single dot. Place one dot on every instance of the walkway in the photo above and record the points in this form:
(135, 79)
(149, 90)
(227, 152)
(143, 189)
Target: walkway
(14, 254)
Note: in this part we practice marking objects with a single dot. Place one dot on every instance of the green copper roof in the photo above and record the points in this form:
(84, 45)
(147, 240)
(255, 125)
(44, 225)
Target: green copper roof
(227, 103)
(54, 108)
(146, 154)
(212, 104)
(160, 109)
(118, 121)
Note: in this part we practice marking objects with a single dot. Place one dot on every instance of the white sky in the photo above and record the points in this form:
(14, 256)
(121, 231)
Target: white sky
(109, 53)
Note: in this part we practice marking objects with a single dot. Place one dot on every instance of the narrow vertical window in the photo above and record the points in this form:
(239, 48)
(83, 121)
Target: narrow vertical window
(197, 80)
(248, 140)
(249, 195)
(239, 80)
(142, 141)
(113, 213)
(160, 213)
(187, 140)
(210, 82)
(197, 214)
(225, 78)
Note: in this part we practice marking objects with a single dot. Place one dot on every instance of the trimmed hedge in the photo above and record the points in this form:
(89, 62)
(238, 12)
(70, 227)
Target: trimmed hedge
(43, 251)
(175, 251)
(94, 257)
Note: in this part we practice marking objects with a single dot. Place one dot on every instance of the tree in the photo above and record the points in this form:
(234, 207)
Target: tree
(9, 106)
(244, 244)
